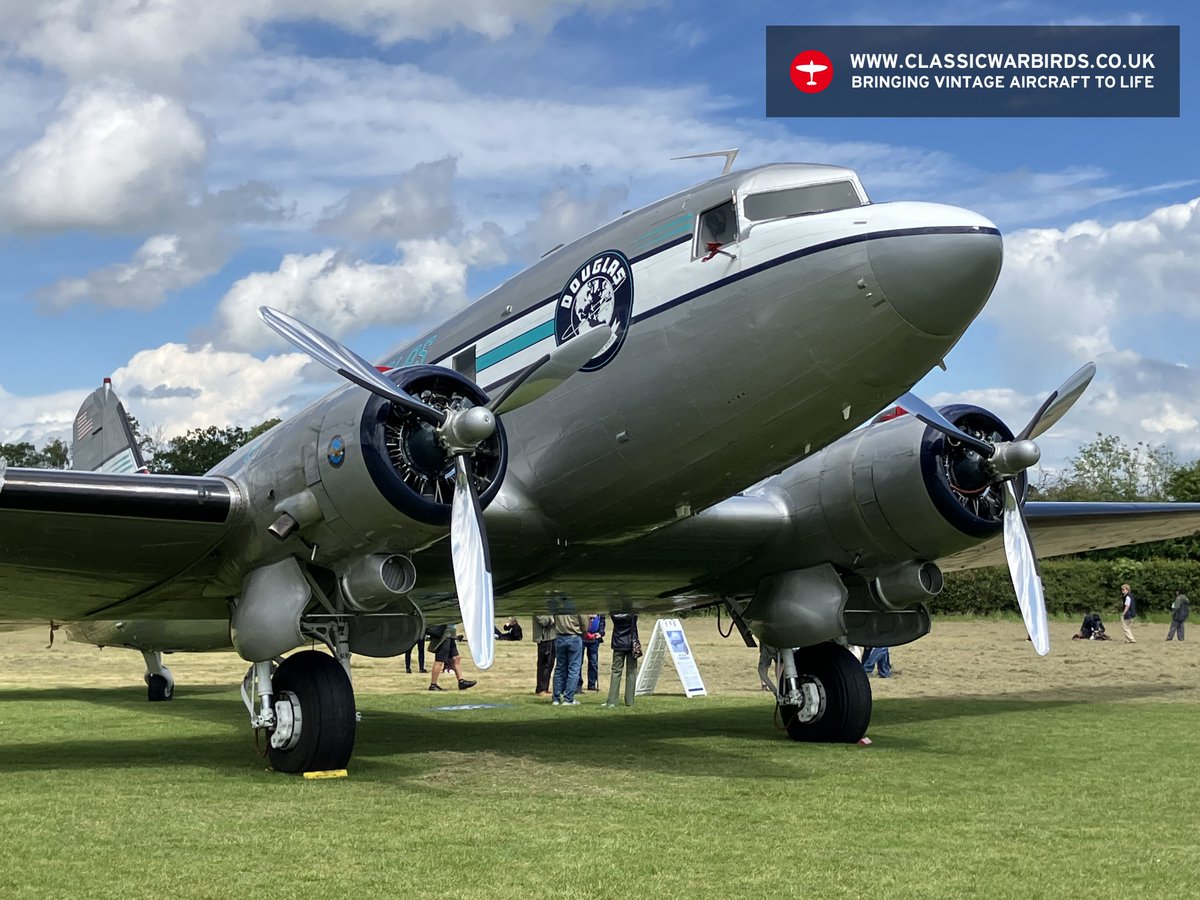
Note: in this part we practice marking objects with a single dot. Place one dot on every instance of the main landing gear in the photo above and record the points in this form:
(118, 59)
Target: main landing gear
(823, 695)
(304, 705)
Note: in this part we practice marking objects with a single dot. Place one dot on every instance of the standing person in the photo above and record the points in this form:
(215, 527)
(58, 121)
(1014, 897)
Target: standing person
(1179, 613)
(1128, 611)
(568, 655)
(446, 656)
(420, 645)
(543, 636)
(624, 657)
(591, 646)
(880, 657)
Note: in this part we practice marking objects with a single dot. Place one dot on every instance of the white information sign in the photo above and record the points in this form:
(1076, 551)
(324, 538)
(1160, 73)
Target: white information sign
(669, 641)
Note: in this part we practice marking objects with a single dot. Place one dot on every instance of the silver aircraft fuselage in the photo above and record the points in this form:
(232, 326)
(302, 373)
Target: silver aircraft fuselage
(731, 368)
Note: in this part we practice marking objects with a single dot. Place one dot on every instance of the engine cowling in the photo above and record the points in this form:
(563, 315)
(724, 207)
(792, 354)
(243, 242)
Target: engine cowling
(898, 490)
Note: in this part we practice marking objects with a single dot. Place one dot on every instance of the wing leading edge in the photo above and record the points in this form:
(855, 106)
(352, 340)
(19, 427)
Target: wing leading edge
(73, 544)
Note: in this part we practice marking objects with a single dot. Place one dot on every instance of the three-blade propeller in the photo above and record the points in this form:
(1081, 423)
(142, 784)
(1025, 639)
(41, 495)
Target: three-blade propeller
(1004, 461)
(460, 432)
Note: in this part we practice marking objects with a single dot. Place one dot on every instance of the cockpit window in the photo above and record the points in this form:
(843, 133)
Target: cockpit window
(718, 226)
(801, 201)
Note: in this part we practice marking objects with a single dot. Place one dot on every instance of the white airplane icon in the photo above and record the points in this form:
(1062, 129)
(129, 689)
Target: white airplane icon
(812, 69)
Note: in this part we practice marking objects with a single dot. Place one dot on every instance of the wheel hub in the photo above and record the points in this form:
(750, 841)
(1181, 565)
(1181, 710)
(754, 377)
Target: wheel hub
(288, 721)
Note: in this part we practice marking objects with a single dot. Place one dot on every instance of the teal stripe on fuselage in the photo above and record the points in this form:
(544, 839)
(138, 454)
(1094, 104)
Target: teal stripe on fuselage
(515, 345)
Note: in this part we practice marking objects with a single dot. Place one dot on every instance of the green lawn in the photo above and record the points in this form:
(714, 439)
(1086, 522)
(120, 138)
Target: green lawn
(104, 795)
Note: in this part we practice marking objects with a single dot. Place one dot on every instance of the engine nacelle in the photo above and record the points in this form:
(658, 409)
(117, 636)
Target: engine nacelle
(353, 475)
(898, 491)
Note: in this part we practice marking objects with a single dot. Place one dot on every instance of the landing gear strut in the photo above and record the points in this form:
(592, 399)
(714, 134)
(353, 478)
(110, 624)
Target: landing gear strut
(824, 695)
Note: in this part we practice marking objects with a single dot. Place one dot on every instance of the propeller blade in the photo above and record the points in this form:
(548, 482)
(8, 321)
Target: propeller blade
(547, 373)
(472, 567)
(1023, 567)
(345, 362)
(934, 419)
(1057, 404)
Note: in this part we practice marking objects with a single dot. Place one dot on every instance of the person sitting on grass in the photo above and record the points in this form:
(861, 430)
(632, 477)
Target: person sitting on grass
(1092, 629)
(512, 631)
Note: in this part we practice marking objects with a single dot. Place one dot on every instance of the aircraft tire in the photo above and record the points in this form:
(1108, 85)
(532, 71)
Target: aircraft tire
(326, 699)
(159, 689)
(847, 697)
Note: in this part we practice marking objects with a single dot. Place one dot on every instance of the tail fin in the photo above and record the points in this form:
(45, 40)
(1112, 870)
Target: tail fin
(103, 439)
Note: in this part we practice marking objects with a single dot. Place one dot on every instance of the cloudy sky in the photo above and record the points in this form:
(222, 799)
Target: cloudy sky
(372, 165)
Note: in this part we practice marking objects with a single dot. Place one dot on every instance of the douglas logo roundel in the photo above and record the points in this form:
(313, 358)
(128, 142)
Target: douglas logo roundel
(599, 293)
(811, 71)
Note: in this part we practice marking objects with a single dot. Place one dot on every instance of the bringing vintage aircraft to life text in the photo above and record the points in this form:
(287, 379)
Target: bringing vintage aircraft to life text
(661, 415)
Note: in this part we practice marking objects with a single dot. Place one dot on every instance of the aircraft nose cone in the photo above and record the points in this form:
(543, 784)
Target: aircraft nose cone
(939, 276)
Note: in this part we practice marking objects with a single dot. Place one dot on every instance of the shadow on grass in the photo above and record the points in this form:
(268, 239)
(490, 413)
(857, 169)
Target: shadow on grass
(688, 738)
(902, 710)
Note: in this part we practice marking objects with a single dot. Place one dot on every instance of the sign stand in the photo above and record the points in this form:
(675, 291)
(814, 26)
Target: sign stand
(668, 640)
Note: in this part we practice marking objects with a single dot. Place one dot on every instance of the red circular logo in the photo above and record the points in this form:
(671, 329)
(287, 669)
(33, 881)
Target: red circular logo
(811, 71)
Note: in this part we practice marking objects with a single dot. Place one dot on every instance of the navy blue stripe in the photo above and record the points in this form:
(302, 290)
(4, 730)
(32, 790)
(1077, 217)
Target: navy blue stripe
(777, 261)
(808, 251)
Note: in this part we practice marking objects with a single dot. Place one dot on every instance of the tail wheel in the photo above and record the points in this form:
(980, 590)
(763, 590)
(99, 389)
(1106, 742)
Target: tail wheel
(846, 711)
(159, 689)
(315, 714)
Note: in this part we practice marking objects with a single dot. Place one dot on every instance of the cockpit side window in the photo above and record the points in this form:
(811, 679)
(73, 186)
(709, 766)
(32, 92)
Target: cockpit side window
(718, 227)
(801, 201)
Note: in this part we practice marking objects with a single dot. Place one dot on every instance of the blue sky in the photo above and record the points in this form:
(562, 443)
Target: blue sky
(168, 167)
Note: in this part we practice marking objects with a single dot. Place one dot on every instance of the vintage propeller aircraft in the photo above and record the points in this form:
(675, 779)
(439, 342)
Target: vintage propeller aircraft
(658, 416)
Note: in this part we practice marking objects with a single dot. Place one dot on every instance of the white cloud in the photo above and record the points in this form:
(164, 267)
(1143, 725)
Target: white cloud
(418, 205)
(338, 294)
(175, 387)
(170, 389)
(115, 157)
(1083, 288)
(148, 42)
(164, 263)
(564, 215)
(38, 419)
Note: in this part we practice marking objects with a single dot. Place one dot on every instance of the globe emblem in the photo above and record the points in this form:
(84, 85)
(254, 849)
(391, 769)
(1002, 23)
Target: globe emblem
(600, 293)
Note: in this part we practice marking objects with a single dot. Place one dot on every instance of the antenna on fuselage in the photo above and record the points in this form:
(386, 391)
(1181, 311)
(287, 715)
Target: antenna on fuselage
(729, 155)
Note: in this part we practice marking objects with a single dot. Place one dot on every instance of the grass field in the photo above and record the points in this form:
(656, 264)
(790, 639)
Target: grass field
(993, 773)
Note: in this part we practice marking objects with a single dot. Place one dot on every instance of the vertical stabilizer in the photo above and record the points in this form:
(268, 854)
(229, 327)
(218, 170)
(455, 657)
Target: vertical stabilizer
(103, 440)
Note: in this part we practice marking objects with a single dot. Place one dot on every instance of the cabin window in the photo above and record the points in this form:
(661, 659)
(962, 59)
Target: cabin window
(464, 363)
(801, 201)
(718, 227)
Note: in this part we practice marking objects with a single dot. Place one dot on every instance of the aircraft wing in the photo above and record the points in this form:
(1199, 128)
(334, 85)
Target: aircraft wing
(1061, 528)
(74, 544)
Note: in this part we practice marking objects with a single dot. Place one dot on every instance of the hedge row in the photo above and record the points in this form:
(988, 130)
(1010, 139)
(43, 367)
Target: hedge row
(1075, 586)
